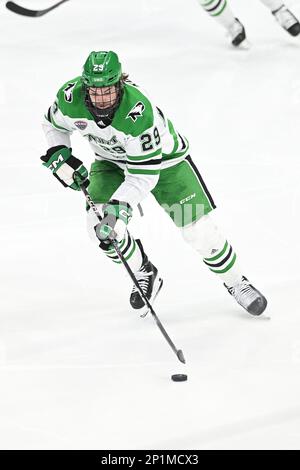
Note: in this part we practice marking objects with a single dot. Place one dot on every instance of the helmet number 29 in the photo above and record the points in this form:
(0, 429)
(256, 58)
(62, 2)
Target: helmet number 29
(98, 68)
(149, 141)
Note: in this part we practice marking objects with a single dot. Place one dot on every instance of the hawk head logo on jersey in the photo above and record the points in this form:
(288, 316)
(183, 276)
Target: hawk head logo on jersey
(136, 112)
(68, 91)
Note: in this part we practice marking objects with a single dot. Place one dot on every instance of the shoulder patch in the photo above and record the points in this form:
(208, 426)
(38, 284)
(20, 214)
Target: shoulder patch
(136, 111)
(81, 125)
(68, 92)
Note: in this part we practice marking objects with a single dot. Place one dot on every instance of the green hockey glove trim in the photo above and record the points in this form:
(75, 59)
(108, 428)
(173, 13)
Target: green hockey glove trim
(56, 157)
(119, 209)
(68, 169)
(112, 211)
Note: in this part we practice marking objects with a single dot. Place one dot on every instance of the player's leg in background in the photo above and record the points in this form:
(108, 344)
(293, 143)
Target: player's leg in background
(284, 16)
(221, 11)
(189, 205)
(105, 178)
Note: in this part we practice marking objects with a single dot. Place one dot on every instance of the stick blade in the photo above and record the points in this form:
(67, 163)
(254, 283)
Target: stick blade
(180, 356)
(12, 6)
(20, 10)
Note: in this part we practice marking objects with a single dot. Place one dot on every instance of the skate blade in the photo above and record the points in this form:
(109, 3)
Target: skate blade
(157, 287)
(244, 46)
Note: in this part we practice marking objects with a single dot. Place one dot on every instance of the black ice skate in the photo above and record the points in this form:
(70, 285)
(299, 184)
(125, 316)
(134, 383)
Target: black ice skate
(287, 20)
(149, 282)
(237, 33)
(248, 297)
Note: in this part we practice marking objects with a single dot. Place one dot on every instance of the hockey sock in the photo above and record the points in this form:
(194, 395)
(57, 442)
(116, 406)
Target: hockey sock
(273, 4)
(206, 238)
(223, 264)
(130, 248)
(220, 10)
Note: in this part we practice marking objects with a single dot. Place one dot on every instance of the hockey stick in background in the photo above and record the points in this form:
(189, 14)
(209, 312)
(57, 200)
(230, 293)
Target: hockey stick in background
(12, 6)
(92, 205)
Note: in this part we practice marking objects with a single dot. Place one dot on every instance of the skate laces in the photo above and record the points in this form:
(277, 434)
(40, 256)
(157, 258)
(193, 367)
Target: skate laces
(244, 293)
(235, 29)
(143, 278)
(285, 17)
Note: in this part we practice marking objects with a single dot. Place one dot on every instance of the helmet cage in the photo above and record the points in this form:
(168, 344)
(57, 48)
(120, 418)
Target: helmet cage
(113, 96)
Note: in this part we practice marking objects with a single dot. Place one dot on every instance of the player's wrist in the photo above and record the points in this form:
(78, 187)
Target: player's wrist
(118, 209)
(116, 215)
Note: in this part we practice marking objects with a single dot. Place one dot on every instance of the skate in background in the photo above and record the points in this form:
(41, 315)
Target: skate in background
(221, 11)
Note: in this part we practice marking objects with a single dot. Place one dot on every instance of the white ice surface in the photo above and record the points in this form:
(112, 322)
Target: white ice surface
(78, 368)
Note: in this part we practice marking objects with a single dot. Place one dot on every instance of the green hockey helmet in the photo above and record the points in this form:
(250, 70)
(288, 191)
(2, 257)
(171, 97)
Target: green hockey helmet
(102, 69)
(102, 85)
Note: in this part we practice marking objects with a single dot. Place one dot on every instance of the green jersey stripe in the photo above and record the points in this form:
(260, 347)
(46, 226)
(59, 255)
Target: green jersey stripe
(174, 135)
(170, 156)
(144, 157)
(145, 164)
(143, 172)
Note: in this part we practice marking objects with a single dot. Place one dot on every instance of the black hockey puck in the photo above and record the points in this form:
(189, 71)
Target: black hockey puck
(179, 377)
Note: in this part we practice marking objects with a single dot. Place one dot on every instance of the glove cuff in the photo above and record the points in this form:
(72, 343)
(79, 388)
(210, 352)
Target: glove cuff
(119, 209)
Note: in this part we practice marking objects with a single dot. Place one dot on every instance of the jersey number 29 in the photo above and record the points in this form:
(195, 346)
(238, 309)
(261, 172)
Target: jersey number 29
(148, 141)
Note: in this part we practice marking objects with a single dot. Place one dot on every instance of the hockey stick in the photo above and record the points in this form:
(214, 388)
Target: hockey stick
(12, 6)
(178, 352)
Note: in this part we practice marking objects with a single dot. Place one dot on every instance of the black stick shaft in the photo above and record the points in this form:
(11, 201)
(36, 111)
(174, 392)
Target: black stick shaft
(178, 352)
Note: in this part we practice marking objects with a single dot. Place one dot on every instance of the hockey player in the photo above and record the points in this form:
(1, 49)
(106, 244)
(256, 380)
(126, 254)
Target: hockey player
(220, 10)
(137, 151)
